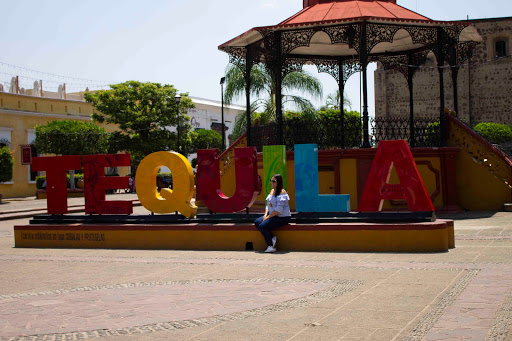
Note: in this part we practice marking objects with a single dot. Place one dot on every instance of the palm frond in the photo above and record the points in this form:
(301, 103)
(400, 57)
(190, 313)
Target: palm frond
(304, 82)
(301, 104)
(333, 101)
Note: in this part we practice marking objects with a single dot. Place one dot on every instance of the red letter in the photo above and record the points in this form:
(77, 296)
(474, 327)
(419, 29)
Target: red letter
(208, 180)
(56, 181)
(411, 187)
(96, 183)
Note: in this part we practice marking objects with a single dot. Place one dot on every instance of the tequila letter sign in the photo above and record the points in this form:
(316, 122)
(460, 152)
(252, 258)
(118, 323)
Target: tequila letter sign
(389, 154)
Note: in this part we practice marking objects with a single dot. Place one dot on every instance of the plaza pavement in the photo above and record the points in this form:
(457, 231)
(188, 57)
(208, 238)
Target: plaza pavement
(75, 294)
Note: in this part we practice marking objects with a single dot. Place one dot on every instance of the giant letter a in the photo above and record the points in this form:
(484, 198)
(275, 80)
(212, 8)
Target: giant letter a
(411, 187)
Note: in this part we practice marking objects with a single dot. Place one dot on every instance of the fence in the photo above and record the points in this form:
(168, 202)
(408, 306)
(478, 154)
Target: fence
(329, 133)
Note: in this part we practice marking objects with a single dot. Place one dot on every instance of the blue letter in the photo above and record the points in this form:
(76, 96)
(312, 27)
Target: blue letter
(307, 197)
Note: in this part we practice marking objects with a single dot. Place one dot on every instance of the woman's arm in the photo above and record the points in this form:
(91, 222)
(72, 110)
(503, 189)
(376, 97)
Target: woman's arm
(268, 216)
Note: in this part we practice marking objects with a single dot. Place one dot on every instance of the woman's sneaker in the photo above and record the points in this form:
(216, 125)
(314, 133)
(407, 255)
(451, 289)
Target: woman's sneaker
(270, 249)
(274, 240)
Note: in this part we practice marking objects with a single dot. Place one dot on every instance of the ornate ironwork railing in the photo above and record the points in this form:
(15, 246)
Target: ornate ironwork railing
(326, 133)
(426, 131)
(330, 133)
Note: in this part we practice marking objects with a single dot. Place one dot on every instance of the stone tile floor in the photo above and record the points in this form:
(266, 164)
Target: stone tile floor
(63, 294)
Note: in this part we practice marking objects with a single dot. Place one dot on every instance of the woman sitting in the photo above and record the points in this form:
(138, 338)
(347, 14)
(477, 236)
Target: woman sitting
(277, 212)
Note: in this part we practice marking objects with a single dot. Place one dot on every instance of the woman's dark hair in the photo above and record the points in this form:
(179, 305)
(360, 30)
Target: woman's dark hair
(279, 184)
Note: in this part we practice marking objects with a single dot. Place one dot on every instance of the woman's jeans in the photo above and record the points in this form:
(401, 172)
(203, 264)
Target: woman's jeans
(272, 223)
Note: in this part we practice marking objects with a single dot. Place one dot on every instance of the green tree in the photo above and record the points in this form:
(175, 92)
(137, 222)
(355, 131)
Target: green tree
(204, 139)
(71, 138)
(263, 87)
(143, 112)
(6, 164)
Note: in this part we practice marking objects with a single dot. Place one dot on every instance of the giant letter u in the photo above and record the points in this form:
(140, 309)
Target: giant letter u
(208, 180)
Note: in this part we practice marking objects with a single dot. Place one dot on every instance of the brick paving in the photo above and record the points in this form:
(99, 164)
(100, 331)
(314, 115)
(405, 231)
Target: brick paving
(464, 294)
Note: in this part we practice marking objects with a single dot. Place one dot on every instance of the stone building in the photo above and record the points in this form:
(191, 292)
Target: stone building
(484, 82)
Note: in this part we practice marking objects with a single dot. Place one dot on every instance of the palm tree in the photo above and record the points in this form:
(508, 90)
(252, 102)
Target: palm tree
(333, 101)
(264, 89)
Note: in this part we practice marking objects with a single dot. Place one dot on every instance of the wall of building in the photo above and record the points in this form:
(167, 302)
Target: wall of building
(19, 115)
(208, 115)
(484, 83)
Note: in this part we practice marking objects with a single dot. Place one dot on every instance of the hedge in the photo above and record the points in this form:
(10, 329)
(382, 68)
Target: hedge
(494, 132)
(161, 178)
(42, 178)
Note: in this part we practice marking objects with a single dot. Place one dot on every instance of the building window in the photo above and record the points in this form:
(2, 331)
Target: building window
(31, 137)
(32, 175)
(5, 137)
(500, 48)
(5, 141)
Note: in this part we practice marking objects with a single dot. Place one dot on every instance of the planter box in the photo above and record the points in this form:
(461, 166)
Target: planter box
(72, 193)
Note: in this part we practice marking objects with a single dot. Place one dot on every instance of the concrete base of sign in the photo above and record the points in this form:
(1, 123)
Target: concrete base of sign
(435, 236)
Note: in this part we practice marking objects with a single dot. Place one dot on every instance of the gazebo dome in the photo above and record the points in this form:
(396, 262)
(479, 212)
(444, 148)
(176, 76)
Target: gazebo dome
(308, 3)
(327, 10)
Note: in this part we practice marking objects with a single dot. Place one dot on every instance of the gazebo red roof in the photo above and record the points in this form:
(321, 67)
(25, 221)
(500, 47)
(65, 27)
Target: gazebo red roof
(320, 13)
(341, 10)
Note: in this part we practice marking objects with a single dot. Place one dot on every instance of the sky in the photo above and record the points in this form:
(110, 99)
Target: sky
(170, 42)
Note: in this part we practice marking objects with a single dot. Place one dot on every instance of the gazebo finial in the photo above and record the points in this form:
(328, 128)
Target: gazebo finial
(308, 3)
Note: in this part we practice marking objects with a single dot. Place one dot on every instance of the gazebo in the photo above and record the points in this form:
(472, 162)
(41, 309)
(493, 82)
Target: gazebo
(341, 37)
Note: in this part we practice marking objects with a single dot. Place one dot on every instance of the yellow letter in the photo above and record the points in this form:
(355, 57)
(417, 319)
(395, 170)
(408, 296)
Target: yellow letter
(168, 200)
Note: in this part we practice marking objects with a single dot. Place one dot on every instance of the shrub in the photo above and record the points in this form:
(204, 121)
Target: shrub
(494, 132)
(40, 181)
(42, 178)
(6, 164)
(205, 139)
(329, 121)
(432, 133)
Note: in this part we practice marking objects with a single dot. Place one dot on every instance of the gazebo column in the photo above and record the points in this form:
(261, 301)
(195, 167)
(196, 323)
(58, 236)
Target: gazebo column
(278, 72)
(440, 67)
(363, 60)
(248, 68)
(455, 74)
(410, 76)
(341, 89)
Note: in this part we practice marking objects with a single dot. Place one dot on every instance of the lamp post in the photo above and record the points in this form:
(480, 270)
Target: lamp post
(177, 98)
(222, 80)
